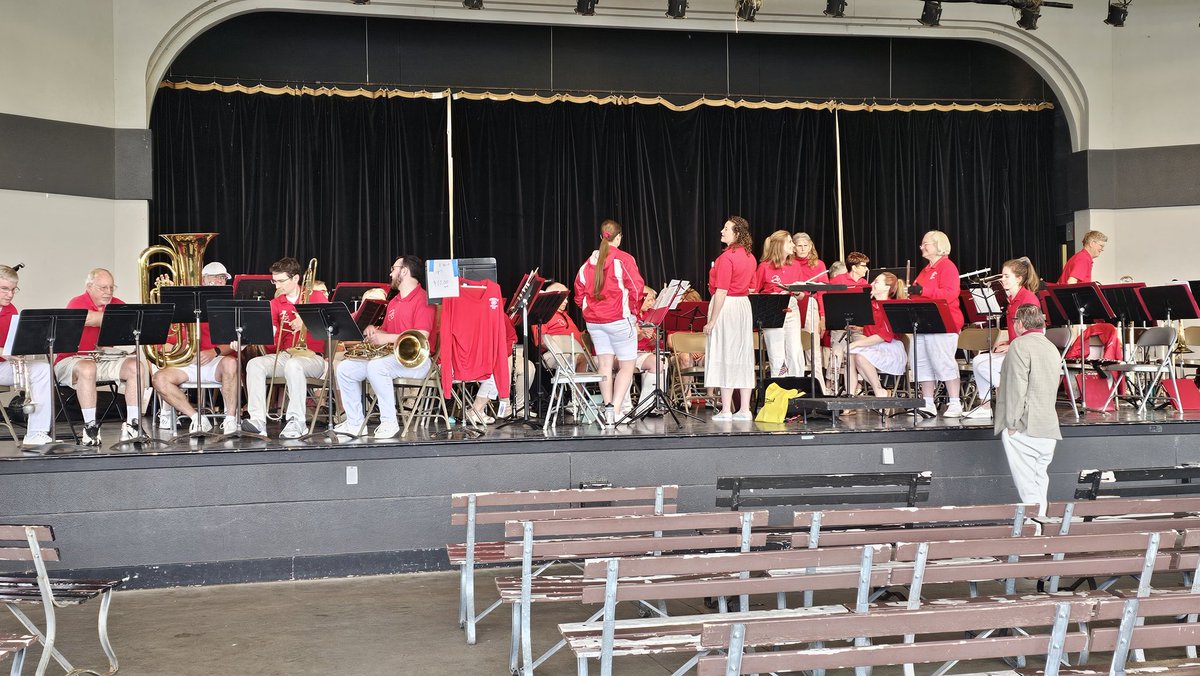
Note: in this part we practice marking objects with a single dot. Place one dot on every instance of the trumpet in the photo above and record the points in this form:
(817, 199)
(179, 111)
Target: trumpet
(23, 384)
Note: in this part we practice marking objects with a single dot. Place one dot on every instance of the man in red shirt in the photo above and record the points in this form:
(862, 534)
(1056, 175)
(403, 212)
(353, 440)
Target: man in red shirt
(38, 371)
(295, 368)
(409, 310)
(1078, 269)
(215, 367)
(83, 371)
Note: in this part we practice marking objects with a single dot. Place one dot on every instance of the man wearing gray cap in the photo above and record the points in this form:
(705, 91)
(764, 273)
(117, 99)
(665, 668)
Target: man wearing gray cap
(218, 364)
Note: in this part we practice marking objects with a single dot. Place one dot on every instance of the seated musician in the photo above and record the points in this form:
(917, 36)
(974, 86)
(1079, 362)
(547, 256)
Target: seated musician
(855, 275)
(295, 368)
(409, 310)
(1021, 283)
(83, 369)
(37, 371)
(644, 362)
(879, 350)
(218, 364)
(560, 324)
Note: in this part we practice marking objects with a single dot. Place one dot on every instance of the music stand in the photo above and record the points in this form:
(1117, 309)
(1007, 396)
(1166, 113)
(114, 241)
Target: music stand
(918, 317)
(351, 293)
(536, 308)
(1169, 303)
(328, 322)
(844, 309)
(815, 384)
(47, 332)
(253, 287)
(146, 324)
(245, 322)
(986, 302)
(689, 316)
(768, 310)
(1128, 308)
(1087, 303)
(191, 306)
(369, 313)
(1056, 316)
(655, 318)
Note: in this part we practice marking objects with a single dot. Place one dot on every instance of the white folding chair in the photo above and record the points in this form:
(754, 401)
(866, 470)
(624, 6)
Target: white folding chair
(1152, 370)
(567, 381)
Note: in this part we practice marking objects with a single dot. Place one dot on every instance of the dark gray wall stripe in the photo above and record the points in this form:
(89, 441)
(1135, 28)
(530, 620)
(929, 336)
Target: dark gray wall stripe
(74, 159)
(1135, 178)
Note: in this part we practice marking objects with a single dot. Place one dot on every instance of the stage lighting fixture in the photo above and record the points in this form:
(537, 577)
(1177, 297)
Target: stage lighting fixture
(473, 4)
(746, 9)
(585, 7)
(1029, 17)
(931, 15)
(1117, 13)
(677, 9)
(361, 2)
(835, 8)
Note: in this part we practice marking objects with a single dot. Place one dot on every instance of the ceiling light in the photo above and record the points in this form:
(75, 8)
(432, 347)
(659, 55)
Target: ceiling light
(835, 8)
(746, 9)
(931, 14)
(1029, 17)
(677, 9)
(585, 7)
(1117, 13)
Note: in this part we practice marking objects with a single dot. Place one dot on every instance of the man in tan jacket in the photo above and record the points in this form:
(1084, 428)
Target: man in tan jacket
(1026, 419)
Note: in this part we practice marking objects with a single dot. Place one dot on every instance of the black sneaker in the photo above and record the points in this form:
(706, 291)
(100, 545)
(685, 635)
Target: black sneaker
(91, 434)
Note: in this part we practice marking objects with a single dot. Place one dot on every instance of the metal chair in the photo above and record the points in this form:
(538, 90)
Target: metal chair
(1156, 337)
(4, 414)
(568, 381)
(972, 341)
(421, 398)
(686, 383)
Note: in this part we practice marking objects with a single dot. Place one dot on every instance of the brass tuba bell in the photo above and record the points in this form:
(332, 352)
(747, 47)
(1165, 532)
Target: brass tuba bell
(411, 349)
(185, 259)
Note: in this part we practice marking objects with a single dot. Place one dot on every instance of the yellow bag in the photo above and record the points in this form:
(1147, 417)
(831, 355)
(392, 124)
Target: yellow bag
(775, 406)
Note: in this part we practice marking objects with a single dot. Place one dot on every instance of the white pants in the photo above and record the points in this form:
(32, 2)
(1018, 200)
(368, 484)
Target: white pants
(379, 372)
(784, 347)
(294, 371)
(1028, 460)
(649, 380)
(488, 389)
(934, 356)
(987, 373)
(39, 384)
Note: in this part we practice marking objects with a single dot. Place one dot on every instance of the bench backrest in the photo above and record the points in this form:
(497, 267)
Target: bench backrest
(497, 508)
(19, 543)
(1139, 482)
(839, 527)
(1123, 507)
(907, 488)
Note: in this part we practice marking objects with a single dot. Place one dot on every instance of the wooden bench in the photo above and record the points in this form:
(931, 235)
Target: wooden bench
(28, 543)
(573, 539)
(796, 490)
(482, 509)
(1141, 482)
(14, 646)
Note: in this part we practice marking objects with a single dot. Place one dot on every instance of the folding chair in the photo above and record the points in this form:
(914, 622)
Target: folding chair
(972, 341)
(421, 398)
(686, 383)
(4, 414)
(1062, 337)
(1156, 337)
(567, 381)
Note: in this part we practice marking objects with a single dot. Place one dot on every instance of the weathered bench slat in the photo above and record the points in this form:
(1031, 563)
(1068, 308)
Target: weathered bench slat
(1150, 636)
(899, 516)
(621, 546)
(1133, 525)
(732, 562)
(24, 554)
(17, 533)
(1036, 545)
(562, 496)
(482, 517)
(745, 501)
(1122, 506)
(638, 523)
(734, 586)
(879, 536)
(995, 570)
(785, 481)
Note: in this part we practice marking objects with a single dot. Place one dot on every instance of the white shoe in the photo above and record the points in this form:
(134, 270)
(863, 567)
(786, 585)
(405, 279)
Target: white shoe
(37, 439)
(723, 416)
(476, 418)
(347, 427)
(388, 429)
(294, 429)
(259, 426)
(164, 420)
(610, 416)
(742, 416)
(981, 413)
(91, 434)
(953, 410)
(230, 425)
(129, 430)
(930, 411)
(200, 423)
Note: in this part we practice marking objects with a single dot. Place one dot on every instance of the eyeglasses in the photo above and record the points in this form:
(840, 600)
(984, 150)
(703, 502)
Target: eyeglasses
(277, 282)
(10, 289)
(107, 287)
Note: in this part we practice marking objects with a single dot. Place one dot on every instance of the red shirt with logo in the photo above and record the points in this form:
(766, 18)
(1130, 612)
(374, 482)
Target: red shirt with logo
(881, 327)
(411, 312)
(475, 336)
(940, 280)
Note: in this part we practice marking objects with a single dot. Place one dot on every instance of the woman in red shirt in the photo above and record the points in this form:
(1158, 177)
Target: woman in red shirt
(854, 276)
(1021, 283)
(609, 289)
(729, 362)
(778, 266)
(878, 350)
(934, 352)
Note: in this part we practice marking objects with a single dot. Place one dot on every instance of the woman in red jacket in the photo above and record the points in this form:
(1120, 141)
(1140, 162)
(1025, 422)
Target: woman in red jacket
(934, 352)
(729, 359)
(609, 289)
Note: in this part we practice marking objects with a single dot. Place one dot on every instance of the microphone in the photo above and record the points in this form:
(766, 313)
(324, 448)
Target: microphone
(975, 273)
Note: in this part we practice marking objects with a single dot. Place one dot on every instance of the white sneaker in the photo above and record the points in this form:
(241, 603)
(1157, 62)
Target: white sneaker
(953, 410)
(476, 418)
(259, 426)
(294, 429)
(388, 429)
(346, 427)
(91, 434)
(610, 416)
(930, 411)
(742, 416)
(981, 413)
(723, 416)
(200, 423)
(230, 425)
(129, 430)
(164, 420)
(37, 439)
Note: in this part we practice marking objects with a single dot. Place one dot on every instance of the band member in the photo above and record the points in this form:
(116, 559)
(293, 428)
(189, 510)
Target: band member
(857, 266)
(878, 350)
(409, 310)
(778, 266)
(1020, 282)
(645, 363)
(811, 267)
(730, 328)
(560, 324)
(1078, 269)
(855, 275)
(37, 431)
(218, 363)
(934, 352)
(609, 289)
(295, 369)
(82, 371)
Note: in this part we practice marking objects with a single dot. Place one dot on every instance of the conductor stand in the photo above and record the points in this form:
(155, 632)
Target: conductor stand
(990, 302)
(768, 310)
(917, 317)
(537, 309)
(244, 322)
(191, 305)
(146, 324)
(844, 309)
(329, 322)
(1085, 302)
(660, 403)
(47, 332)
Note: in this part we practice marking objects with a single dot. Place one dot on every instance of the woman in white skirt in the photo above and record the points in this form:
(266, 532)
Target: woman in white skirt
(729, 362)
(879, 350)
(778, 267)
(609, 289)
(934, 352)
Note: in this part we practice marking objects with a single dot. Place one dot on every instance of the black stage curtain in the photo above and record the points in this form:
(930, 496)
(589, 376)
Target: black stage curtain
(355, 181)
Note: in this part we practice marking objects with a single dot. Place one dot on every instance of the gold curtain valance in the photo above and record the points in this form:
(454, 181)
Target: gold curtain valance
(608, 100)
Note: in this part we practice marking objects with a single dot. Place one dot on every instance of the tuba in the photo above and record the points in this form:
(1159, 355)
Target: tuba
(411, 349)
(185, 259)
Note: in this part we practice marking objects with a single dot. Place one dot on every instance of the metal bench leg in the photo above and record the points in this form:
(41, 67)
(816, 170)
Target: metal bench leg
(469, 602)
(514, 641)
(581, 666)
(48, 650)
(102, 629)
(18, 663)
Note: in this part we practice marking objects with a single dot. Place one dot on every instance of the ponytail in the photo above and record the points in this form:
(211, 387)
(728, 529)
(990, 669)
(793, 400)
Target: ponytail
(609, 230)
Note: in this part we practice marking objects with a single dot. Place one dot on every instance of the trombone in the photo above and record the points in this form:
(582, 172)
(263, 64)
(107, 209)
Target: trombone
(299, 347)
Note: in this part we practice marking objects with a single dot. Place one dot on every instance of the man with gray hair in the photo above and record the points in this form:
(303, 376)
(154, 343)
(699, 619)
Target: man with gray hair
(1026, 419)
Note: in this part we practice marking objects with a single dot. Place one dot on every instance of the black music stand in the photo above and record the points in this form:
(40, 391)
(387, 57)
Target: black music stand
(1087, 303)
(369, 313)
(47, 332)
(351, 293)
(917, 317)
(191, 304)
(1128, 308)
(253, 287)
(1168, 303)
(146, 324)
(1056, 316)
(688, 315)
(536, 309)
(768, 311)
(988, 302)
(662, 402)
(245, 322)
(844, 309)
(815, 384)
(328, 322)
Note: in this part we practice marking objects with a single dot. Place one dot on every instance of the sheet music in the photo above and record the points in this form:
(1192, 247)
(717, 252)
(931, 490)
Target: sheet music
(12, 333)
(671, 294)
(985, 301)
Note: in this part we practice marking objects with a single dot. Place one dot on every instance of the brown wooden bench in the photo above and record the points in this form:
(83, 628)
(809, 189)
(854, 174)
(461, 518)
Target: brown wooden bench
(1140, 482)
(473, 510)
(14, 646)
(29, 543)
(573, 539)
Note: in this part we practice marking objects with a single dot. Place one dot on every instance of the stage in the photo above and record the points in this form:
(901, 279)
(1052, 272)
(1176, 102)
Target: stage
(292, 510)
